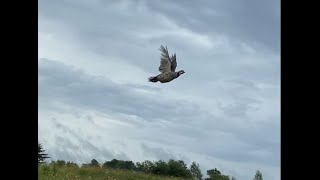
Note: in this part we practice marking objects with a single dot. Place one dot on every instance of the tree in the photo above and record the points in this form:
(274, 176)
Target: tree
(129, 165)
(233, 178)
(119, 164)
(215, 174)
(179, 169)
(145, 166)
(94, 163)
(258, 176)
(60, 163)
(71, 164)
(195, 171)
(161, 168)
(41, 155)
(111, 164)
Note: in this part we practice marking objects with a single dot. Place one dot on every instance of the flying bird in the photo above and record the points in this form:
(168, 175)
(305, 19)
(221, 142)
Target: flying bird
(167, 67)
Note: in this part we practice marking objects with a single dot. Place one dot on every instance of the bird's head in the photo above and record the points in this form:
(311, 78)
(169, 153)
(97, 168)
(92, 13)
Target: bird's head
(180, 72)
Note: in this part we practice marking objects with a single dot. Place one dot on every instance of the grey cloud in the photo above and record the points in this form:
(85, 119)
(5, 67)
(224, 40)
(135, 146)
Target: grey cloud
(104, 32)
(69, 145)
(74, 87)
(240, 108)
(158, 153)
(247, 19)
(161, 154)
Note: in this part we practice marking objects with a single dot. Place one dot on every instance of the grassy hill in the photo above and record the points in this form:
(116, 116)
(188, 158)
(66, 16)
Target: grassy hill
(50, 172)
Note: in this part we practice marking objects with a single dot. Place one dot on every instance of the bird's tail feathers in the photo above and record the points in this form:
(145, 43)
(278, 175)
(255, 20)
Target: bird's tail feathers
(153, 79)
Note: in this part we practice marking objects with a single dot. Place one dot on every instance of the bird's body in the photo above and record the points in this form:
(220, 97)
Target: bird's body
(167, 68)
(165, 77)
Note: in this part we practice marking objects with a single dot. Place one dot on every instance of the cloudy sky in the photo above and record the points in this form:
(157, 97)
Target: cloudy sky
(95, 101)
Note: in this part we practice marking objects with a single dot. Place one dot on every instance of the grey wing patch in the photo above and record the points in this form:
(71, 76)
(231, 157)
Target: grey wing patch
(165, 64)
(166, 77)
(173, 63)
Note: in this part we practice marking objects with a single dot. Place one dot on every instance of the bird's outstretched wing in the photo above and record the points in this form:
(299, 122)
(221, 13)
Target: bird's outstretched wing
(165, 63)
(173, 62)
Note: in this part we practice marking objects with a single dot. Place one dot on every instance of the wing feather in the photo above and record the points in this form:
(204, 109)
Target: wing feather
(165, 63)
(173, 62)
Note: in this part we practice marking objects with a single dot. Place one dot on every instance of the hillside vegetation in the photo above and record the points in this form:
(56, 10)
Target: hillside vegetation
(52, 172)
(125, 170)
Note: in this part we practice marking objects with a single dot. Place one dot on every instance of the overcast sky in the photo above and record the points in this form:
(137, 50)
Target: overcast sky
(95, 57)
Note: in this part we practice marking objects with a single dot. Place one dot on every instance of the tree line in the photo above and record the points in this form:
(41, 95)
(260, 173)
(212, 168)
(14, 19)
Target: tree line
(175, 168)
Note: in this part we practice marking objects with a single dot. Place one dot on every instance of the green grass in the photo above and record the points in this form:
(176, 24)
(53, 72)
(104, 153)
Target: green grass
(50, 172)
